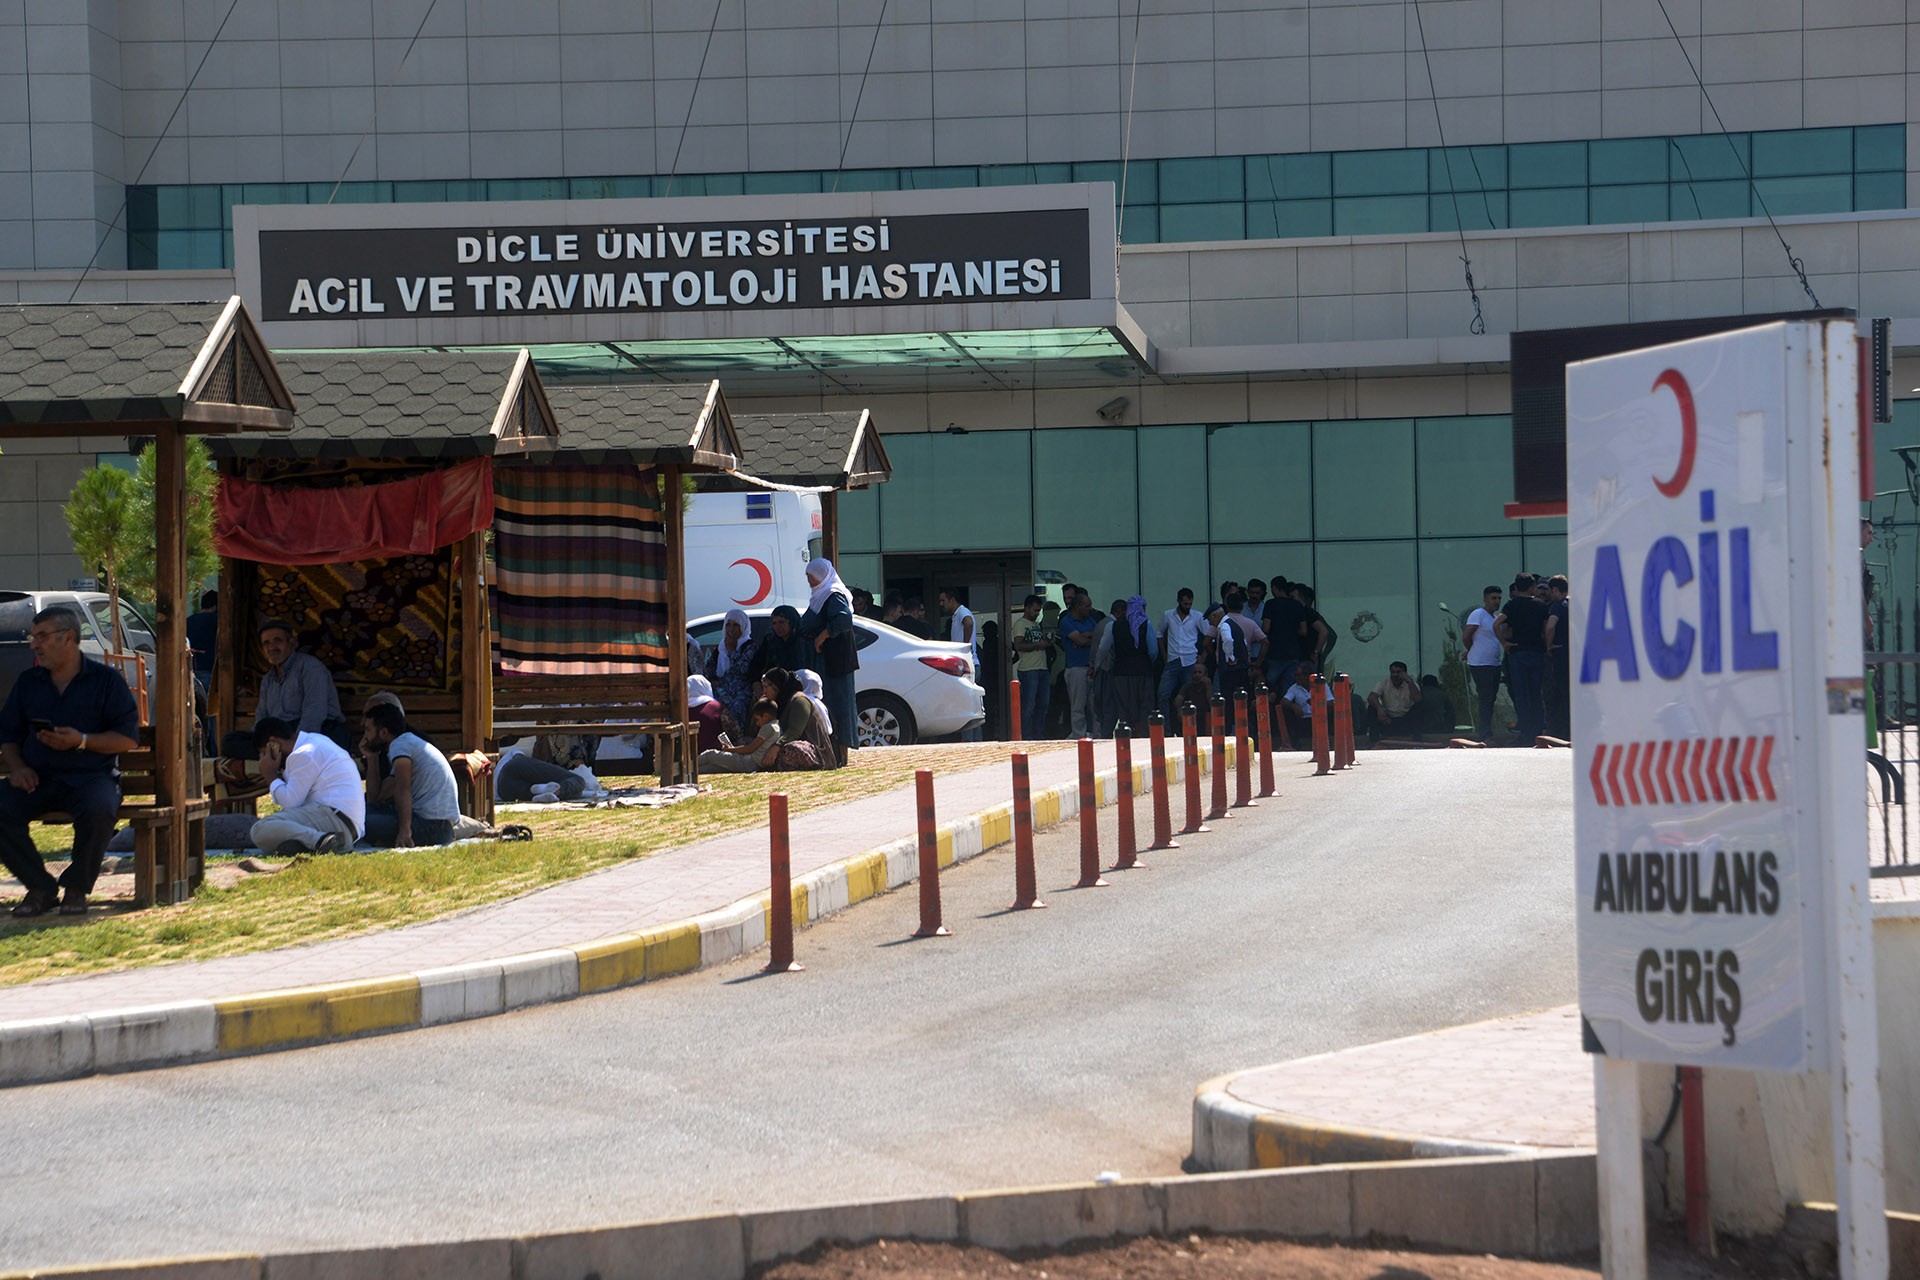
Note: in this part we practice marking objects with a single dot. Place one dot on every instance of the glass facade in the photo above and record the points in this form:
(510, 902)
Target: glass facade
(1536, 184)
(1392, 520)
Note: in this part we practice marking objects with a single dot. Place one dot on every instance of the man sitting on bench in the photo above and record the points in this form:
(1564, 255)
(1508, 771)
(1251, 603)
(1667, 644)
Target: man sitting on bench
(61, 733)
(315, 783)
(297, 689)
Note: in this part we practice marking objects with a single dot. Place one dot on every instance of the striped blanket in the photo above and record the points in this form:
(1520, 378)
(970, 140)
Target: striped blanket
(580, 583)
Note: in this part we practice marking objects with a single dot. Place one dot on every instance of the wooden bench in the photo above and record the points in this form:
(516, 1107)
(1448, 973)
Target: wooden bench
(597, 706)
(152, 880)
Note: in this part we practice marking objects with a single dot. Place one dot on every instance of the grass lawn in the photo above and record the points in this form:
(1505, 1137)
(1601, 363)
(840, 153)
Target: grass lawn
(331, 897)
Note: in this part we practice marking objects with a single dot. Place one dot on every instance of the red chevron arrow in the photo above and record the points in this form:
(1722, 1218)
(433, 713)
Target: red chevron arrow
(1633, 759)
(1766, 766)
(1746, 769)
(1680, 772)
(1693, 766)
(1646, 774)
(1661, 771)
(1613, 776)
(1593, 773)
(1713, 771)
(1733, 778)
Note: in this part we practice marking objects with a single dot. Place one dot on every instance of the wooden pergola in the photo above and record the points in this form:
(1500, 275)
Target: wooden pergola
(165, 371)
(828, 452)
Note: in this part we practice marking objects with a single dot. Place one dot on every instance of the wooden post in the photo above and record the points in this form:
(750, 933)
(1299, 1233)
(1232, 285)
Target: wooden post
(830, 526)
(174, 712)
(223, 699)
(476, 644)
(673, 508)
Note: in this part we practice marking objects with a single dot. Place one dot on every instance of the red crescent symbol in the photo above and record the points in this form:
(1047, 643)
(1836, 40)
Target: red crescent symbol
(766, 581)
(1676, 484)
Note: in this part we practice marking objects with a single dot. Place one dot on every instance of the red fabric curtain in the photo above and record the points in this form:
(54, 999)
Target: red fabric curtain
(288, 524)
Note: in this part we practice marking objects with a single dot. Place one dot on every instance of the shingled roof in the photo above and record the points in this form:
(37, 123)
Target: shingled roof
(823, 450)
(661, 423)
(105, 368)
(407, 404)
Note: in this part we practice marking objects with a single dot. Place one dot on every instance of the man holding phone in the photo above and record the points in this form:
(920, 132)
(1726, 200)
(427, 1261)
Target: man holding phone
(62, 730)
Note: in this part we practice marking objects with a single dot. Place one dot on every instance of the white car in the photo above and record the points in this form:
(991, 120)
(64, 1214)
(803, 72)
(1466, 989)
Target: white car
(906, 689)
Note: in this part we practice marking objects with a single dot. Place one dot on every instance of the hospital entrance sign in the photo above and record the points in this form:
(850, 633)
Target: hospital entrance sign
(1720, 862)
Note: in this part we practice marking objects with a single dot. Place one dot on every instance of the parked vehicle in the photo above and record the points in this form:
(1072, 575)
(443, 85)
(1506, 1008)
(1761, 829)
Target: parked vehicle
(98, 640)
(907, 689)
(749, 550)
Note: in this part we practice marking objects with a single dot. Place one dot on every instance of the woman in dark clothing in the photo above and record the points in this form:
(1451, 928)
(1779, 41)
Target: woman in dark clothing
(804, 743)
(1134, 678)
(782, 646)
(730, 665)
(828, 628)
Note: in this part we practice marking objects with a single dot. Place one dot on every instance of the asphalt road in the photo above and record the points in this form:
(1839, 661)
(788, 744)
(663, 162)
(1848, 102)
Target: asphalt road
(1423, 890)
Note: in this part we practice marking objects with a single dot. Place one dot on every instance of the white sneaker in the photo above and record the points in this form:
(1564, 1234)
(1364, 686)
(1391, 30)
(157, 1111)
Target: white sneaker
(545, 792)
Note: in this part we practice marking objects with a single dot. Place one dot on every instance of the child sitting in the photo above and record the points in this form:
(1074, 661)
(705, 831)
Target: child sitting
(748, 757)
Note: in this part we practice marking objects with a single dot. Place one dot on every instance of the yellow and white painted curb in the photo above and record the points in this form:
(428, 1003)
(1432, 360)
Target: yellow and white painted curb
(63, 1048)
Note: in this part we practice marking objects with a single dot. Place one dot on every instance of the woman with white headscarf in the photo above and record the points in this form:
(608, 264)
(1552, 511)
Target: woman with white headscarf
(816, 694)
(732, 664)
(827, 626)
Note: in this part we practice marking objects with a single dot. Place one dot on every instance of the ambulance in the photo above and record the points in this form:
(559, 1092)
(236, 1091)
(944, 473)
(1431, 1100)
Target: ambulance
(749, 550)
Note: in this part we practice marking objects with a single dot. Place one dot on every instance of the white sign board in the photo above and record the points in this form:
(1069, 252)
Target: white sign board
(1714, 556)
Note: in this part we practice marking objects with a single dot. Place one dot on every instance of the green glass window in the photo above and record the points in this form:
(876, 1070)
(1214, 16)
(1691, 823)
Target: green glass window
(756, 184)
(861, 570)
(1164, 570)
(1259, 482)
(1880, 147)
(1467, 169)
(1289, 219)
(1617, 161)
(1547, 164)
(1200, 180)
(1793, 152)
(1465, 472)
(1566, 207)
(1644, 203)
(1363, 479)
(1102, 467)
(1805, 195)
(1880, 191)
(1183, 222)
(1290, 177)
(1700, 157)
(864, 180)
(1712, 200)
(1173, 461)
(1379, 215)
(1141, 178)
(973, 490)
(1546, 553)
(1139, 224)
(860, 519)
(1478, 210)
(1453, 571)
(1379, 173)
(1241, 561)
(1020, 175)
(1107, 573)
(1367, 593)
(928, 179)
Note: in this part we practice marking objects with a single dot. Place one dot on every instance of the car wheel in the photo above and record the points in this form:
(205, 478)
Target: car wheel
(885, 721)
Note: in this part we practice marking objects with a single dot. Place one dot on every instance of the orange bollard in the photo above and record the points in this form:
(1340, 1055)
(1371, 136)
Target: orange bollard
(1026, 890)
(1162, 805)
(930, 926)
(1191, 732)
(1263, 727)
(1089, 822)
(1342, 721)
(1013, 710)
(780, 929)
(1123, 776)
(1242, 754)
(1317, 696)
(1219, 808)
(1345, 695)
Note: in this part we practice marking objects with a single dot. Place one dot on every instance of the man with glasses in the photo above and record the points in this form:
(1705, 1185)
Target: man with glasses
(62, 730)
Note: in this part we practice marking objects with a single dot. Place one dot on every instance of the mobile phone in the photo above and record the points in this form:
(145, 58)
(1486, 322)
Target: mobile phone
(40, 726)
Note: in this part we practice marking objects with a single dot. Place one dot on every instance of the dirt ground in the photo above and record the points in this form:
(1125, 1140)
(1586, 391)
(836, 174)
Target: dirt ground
(1210, 1257)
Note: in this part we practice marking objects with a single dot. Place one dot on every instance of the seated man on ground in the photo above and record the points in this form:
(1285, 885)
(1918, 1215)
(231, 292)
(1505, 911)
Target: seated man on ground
(322, 808)
(61, 732)
(418, 802)
(1393, 703)
(1298, 701)
(296, 689)
(521, 777)
(762, 752)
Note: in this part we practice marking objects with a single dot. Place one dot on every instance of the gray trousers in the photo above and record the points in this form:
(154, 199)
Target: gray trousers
(302, 826)
(714, 761)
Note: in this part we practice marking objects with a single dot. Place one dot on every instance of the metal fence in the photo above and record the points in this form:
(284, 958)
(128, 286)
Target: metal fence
(1893, 745)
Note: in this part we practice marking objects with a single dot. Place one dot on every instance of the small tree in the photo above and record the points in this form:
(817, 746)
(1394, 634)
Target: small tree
(202, 482)
(100, 520)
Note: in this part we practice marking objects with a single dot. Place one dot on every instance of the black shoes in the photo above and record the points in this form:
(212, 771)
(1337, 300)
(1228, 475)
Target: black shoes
(38, 902)
(73, 903)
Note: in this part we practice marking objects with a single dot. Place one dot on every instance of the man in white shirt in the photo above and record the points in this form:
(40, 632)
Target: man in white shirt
(1181, 631)
(1484, 655)
(961, 630)
(315, 783)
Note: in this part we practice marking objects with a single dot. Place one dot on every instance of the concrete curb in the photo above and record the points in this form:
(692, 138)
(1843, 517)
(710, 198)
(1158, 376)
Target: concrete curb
(195, 1030)
(1234, 1136)
(1542, 1205)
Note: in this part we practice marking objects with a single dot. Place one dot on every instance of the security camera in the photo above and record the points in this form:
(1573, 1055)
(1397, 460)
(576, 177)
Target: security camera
(1114, 409)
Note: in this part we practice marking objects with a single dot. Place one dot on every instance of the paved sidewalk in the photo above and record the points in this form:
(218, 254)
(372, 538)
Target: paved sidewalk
(668, 887)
